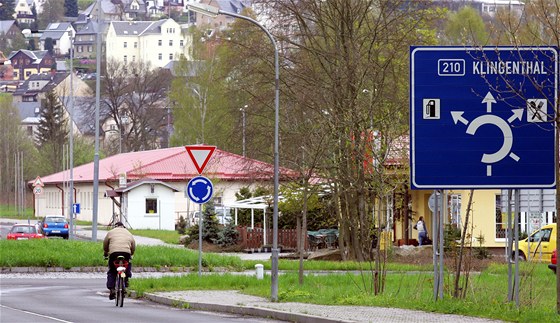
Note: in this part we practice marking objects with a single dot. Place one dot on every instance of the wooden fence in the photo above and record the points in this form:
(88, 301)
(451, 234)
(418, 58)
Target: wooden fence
(253, 238)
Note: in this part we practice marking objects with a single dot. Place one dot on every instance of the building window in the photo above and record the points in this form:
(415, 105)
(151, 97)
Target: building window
(501, 219)
(181, 43)
(160, 56)
(30, 130)
(90, 49)
(151, 206)
(159, 42)
(125, 58)
(125, 44)
(135, 44)
(133, 58)
(171, 42)
(171, 57)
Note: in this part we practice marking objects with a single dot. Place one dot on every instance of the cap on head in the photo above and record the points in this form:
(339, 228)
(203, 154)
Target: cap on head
(119, 224)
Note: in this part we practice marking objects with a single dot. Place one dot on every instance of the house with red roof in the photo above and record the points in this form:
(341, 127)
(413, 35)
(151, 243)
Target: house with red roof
(171, 167)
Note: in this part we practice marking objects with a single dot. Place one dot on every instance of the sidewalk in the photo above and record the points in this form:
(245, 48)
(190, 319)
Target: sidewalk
(238, 303)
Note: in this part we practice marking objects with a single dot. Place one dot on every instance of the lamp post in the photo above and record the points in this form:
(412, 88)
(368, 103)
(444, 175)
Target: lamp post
(214, 12)
(243, 126)
(71, 143)
(97, 106)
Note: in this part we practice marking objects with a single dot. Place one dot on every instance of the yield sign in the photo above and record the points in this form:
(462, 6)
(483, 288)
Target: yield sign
(38, 182)
(200, 155)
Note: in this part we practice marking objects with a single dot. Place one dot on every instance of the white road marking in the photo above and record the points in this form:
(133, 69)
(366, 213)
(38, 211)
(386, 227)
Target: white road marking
(36, 314)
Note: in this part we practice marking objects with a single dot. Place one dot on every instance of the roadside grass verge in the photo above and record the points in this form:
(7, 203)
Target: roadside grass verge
(10, 211)
(73, 253)
(486, 297)
(166, 236)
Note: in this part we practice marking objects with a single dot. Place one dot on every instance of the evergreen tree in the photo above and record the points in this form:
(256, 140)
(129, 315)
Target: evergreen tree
(52, 130)
(49, 46)
(210, 224)
(71, 8)
(7, 9)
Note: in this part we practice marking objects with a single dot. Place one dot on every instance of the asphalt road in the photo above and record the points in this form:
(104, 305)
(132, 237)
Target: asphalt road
(84, 299)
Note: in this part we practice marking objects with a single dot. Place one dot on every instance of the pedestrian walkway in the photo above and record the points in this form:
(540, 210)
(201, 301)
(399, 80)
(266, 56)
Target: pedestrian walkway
(235, 302)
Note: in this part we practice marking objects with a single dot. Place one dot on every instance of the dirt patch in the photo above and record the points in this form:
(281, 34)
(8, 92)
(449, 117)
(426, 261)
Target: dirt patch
(210, 247)
(424, 256)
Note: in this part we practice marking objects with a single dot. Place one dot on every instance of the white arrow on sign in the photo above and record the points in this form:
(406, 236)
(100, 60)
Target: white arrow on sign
(458, 116)
(208, 190)
(489, 99)
(517, 114)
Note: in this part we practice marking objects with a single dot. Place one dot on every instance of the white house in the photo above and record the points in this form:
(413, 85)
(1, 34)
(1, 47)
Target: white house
(157, 42)
(61, 34)
(147, 204)
(23, 13)
(171, 166)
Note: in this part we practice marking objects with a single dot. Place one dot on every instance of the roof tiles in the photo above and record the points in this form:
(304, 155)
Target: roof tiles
(169, 164)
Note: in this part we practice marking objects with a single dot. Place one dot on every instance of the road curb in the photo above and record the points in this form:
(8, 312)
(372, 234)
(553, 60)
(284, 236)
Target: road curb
(242, 310)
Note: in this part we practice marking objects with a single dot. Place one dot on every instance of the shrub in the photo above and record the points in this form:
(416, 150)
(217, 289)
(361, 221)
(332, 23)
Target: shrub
(228, 236)
(181, 225)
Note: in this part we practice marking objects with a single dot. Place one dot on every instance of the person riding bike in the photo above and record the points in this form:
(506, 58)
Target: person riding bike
(118, 242)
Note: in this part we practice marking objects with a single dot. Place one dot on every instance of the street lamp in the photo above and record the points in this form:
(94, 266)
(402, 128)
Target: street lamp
(71, 143)
(95, 205)
(243, 126)
(211, 11)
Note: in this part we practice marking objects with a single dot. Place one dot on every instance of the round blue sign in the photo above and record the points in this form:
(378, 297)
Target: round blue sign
(200, 189)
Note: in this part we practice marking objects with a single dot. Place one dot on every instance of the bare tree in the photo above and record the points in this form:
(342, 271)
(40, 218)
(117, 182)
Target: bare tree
(134, 98)
(346, 65)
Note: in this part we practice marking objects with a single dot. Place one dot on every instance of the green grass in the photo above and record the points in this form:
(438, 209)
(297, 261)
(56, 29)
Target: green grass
(407, 286)
(70, 253)
(10, 211)
(166, 236)
(486, 296)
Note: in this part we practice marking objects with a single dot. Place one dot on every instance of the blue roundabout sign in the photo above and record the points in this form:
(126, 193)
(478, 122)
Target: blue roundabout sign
(200, 189)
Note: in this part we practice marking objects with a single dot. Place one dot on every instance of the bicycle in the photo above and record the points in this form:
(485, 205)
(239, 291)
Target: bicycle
(120, 282)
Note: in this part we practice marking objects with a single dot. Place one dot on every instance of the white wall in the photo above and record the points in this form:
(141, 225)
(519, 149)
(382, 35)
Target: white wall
(50, 202)
(137, 217)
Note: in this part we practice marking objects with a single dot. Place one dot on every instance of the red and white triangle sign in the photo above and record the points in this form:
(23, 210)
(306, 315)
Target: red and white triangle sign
(200, 155)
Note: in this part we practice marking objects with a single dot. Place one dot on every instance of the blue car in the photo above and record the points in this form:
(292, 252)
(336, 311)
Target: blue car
(55, 226)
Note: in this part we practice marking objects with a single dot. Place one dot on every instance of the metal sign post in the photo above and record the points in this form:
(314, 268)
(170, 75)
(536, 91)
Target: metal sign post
(200, 189)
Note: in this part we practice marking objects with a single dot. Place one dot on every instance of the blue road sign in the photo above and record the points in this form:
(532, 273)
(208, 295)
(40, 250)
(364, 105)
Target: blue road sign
(483, 117)
(200, 189)
(76, 207)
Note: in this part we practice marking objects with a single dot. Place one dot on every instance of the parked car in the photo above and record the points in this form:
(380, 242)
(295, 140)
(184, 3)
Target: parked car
(553, 260)
(24, 232)
(541, 243)
(55, 226)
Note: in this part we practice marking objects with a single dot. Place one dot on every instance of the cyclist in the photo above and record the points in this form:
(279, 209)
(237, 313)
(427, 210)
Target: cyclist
(118, 242)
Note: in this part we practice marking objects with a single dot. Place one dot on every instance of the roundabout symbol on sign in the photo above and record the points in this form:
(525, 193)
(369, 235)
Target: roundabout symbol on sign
(200, 189)
(505, 150)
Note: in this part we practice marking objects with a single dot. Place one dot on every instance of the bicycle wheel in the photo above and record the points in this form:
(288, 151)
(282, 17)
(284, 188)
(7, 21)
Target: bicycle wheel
(119, 291)
(122, 289)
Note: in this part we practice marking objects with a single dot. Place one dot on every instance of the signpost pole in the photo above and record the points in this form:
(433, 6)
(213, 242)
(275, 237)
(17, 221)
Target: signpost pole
(200, 223)
(443, 213)
(509, 247)
(435, 241)
(516, 229)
